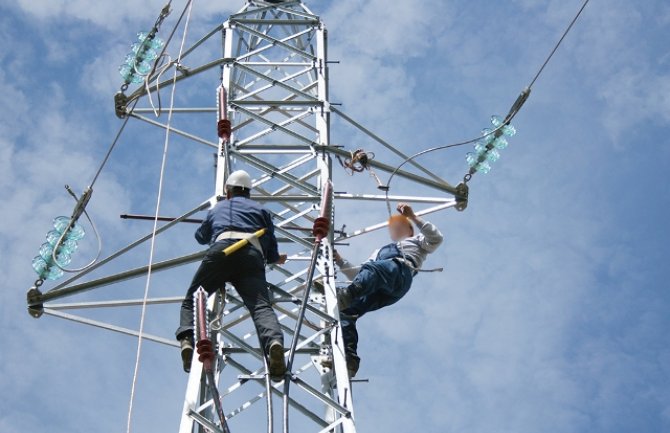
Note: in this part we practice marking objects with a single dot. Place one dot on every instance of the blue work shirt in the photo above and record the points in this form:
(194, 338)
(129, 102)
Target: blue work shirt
(240, 214)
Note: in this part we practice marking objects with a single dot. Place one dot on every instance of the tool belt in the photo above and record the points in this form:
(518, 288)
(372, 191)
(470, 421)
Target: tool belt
(253, 240)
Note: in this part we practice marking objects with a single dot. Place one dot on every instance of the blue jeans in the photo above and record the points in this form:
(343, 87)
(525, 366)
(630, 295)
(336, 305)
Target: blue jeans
(378, 284)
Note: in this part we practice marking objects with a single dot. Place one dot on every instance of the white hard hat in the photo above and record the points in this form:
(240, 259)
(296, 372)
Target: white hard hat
(239, 178)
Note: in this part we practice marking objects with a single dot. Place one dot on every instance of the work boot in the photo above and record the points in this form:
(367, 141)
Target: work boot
(344, 297)
(353, 364)
(277, 366)
(186, 353)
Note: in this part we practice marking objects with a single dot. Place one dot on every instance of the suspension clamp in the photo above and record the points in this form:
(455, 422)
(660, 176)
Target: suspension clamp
(121, 105)
(35, 304)
(462, 193)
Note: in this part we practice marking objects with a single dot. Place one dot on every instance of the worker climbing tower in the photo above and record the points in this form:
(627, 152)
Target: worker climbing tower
(255, 92)
(274, 94)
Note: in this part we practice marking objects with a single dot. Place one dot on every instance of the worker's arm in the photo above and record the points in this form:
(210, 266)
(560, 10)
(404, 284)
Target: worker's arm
(345, 266)
(204, 233)
(432, 238)
(273, 255)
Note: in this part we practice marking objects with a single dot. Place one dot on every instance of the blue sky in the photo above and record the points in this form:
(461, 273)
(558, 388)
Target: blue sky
(552, 312)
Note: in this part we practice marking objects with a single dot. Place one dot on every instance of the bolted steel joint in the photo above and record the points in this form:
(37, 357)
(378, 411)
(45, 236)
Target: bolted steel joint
(120, 105)
(463, 192)
(35, 305)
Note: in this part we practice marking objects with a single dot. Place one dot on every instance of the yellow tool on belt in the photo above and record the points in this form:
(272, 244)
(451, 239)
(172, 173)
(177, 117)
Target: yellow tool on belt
(242, 242)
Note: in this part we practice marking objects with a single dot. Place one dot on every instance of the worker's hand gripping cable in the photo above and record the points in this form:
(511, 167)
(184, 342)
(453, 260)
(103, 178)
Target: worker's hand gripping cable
(320, 230)
(206, 354)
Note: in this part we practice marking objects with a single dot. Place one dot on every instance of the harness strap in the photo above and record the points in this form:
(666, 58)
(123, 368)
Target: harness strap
(407, 262)
(249, 237)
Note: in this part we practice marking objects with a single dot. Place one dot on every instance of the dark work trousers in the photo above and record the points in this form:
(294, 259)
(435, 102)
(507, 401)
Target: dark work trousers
(378, 284)
(245, 270)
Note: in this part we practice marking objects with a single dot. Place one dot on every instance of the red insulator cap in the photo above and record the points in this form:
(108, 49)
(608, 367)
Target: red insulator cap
(205, 350)
(321, 227)
(224, 129)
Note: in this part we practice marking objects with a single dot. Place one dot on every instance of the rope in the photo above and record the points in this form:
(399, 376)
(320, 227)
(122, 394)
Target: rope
(189, 7)
(166, 63)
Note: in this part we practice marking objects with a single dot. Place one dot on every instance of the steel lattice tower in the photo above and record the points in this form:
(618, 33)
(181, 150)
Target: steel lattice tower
(274, 89)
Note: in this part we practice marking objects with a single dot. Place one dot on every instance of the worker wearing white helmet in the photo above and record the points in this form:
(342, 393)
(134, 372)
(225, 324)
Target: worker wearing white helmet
(239, 178)
(227, 222)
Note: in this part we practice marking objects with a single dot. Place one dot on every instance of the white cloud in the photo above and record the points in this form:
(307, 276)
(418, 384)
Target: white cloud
(114, 15)
(407, 31)
(635, 96)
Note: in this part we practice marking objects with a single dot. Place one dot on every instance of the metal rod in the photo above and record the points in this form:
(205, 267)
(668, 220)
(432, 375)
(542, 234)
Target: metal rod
(160, 218)
(302, 409)
(274, 41)
(120, 303)
(267, 110)
(287, 11)
(275, 126)
(129, 247)
(256, 398)
(202, 40)
(109, 327)
(280, 83)
(178, 110)
(384, 143)
(278, 63)
(441, 186)
(141, 91)
(257, 198)
(292, 22)
(324, 316)
(273, 171)
(268, 396)
(277, 103)
(406, 198)
(324, 399)
(269, 45)
(204, 344)
(176, 131)
(272, 82)
(381, 225)
(237, 350)
(204, 422)
(122, 276)
(279, 147)
(296, 333)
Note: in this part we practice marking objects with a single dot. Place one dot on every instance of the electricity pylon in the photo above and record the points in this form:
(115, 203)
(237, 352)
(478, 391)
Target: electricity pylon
(273, 88)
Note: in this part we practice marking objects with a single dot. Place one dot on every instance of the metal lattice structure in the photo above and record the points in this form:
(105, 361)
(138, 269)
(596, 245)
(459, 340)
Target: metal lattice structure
(274, 89)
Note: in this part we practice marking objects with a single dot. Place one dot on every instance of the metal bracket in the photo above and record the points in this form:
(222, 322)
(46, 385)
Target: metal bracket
(35, 304)
(462, 193)
(120, 105)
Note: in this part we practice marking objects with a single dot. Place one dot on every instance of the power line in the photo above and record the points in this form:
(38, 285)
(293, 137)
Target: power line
(513, 111)
(558, 44)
